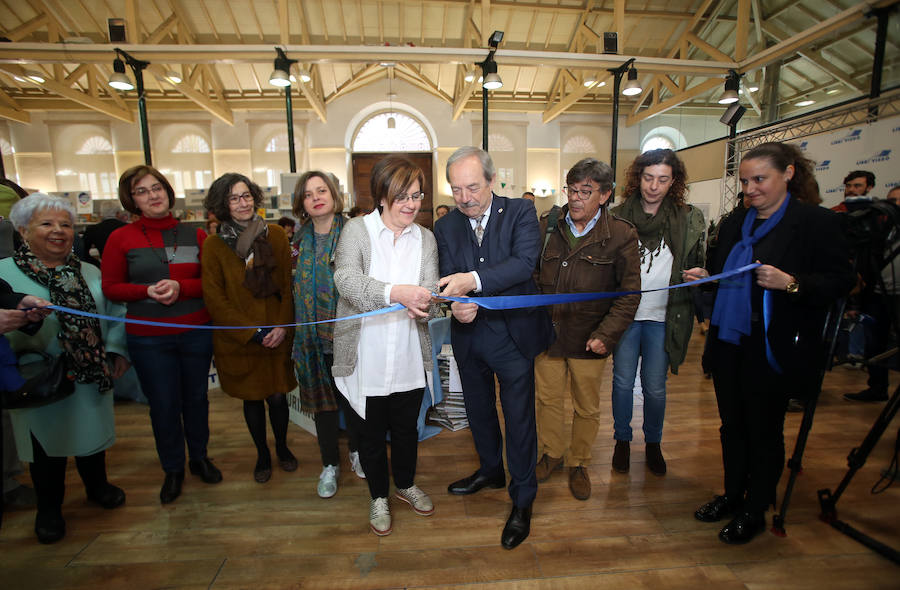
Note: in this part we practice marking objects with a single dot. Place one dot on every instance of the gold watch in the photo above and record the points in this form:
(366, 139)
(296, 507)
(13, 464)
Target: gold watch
(793, 288)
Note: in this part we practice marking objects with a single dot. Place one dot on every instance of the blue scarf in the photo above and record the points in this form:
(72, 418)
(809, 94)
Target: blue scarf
(732, 309)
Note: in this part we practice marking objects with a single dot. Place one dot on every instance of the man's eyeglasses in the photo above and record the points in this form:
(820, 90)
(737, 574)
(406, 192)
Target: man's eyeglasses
(582, 194)
(235, 199)
(412, 197)
(143, 191)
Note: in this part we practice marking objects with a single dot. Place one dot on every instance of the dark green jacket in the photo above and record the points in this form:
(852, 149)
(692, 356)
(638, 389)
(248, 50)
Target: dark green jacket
(680, 308)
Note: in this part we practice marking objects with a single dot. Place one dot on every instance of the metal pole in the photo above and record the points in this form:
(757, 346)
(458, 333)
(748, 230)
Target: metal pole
(883, 15)
(289, 111)
(484, 118)
(617, 82)
(142, 112)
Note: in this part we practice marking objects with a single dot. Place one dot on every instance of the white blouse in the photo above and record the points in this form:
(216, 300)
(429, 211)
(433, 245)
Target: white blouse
(389, 355)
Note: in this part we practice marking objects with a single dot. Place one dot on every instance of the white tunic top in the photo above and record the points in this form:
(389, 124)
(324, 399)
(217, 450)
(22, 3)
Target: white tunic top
(389, 355)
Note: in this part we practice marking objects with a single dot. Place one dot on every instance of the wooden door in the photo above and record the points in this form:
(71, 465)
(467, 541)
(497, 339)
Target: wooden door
(362, 164)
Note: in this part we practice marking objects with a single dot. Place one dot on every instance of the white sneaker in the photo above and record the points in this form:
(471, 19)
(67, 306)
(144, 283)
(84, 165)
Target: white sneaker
(418, 499)
(380, 517)
(355, 465)
(328, 481)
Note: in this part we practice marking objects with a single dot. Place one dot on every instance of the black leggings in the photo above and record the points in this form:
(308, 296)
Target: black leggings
(255, 415)
(49, 476)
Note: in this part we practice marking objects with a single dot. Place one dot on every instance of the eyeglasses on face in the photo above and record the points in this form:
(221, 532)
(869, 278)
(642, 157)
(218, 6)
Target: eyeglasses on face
(143, 191)
(235, 199)
(411, 197)
(582, 194)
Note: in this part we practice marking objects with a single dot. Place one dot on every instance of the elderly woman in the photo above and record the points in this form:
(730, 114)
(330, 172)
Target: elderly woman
(760, 353)
(318, 205)
(380, 362)
(671, 243)
(153, 265)
(247, 282)
(82, 424)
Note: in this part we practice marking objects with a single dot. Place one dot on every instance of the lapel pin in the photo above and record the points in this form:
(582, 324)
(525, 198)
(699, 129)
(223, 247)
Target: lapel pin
(500, 210)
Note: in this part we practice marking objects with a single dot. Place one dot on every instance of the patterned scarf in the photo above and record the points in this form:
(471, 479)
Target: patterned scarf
(251, 245)
(653, 230)
(315, 298)
(80, 337)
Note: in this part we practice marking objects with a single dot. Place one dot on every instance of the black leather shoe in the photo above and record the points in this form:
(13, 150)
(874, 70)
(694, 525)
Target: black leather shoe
(867, 395)
(743, 528)
(208, 472)
(171, 487)
(719, 508)
(107, 495)
(476, 481)
(49, 528)
(518, 525)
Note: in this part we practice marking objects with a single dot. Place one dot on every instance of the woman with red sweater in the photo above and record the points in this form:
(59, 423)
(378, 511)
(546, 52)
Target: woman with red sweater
(153, 266)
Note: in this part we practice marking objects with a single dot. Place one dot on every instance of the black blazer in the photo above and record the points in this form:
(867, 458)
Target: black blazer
(808, 244)
(513, 243)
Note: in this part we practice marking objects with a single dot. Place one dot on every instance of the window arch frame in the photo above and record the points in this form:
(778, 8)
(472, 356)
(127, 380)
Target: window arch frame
(429, 145)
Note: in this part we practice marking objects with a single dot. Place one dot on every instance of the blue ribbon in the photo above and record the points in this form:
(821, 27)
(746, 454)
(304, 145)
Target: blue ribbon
(494, 303)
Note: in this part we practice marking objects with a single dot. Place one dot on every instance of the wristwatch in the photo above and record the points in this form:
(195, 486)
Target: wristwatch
(793, 288)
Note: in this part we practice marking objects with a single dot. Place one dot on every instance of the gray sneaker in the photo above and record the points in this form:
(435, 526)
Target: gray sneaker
(418, 499)
(380, 517)
(328, 481)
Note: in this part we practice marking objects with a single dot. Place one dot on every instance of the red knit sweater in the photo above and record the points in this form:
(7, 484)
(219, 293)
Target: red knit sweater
(149, 250)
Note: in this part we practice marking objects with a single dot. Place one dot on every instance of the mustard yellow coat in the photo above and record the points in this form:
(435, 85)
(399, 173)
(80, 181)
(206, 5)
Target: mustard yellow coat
(248, 370)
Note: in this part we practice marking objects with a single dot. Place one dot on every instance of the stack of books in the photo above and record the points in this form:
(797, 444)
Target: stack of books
(450, 413)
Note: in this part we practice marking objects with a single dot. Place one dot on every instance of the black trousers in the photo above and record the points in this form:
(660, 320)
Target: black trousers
(752, 402)
(397, 413)
(328, 425)
(49, 476)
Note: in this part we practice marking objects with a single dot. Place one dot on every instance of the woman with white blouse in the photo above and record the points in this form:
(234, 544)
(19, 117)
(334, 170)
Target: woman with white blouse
(380, 361)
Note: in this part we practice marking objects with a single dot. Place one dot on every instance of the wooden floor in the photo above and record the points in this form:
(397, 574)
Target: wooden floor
(636, 530)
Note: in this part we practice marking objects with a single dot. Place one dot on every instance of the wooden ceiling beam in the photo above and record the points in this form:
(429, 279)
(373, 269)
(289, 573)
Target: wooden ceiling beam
(162, 30)
(198, 97)
(284, 25)
(567, 101)
(25, 29)
(673, 101)
(16, 115)
(779, 35)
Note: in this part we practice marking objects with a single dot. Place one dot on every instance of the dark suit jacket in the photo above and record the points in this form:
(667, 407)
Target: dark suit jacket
(512, 241)
(808, 244)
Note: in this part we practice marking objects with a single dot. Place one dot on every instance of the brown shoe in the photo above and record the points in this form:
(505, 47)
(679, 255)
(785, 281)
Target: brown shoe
(579, 482)
(546, 466)
(655, 461)
(622, 456)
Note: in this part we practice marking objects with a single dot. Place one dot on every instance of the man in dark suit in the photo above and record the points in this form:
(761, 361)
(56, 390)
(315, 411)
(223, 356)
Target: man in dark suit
(488, 246)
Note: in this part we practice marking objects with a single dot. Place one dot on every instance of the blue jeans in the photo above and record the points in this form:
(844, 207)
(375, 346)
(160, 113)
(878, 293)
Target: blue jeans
(644, 340)
(174, 373)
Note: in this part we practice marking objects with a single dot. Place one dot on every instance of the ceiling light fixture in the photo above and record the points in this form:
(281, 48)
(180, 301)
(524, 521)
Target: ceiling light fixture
(732, 84)
(804, 103)
(281, 74)
(119, 80)
(304, 74)
(589, 80)
(492, 80)
(469, 75)
(173, 77)
(35, 76)
(632, 86)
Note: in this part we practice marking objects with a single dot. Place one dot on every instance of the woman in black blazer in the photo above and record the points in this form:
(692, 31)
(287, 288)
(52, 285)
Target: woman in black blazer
(765, 342)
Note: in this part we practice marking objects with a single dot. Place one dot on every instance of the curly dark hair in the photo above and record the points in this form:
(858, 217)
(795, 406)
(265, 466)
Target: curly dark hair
(802, 185)
(219, 192)
(677, 191)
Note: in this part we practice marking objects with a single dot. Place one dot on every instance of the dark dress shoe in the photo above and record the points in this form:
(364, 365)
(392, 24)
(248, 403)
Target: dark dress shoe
(171, 487)
(518, 525)
(107, 495)
(476, 481)
(263, 470)
(208, 472)
(743, 528)
(719, 508)
(49, 528)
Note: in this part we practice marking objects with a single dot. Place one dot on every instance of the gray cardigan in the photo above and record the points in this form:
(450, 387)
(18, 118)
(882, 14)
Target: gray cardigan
(360, 293)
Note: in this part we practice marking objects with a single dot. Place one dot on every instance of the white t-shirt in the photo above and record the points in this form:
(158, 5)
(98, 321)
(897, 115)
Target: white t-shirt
(656, 271)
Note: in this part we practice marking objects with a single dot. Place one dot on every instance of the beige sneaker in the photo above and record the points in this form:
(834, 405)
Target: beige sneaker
(380, 517)
(418, 499)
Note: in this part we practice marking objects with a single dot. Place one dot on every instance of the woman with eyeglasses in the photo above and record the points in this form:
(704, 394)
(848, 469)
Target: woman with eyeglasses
(153, 266)
(671, 237)
(318, 204)
(380, 361)
(247, 282)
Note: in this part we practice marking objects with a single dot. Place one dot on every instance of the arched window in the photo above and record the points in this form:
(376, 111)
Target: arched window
(278, 143)
(665, 138)
(579, 144)
(191, 144)
(96, 144)
(499, 143)
(407, 135)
